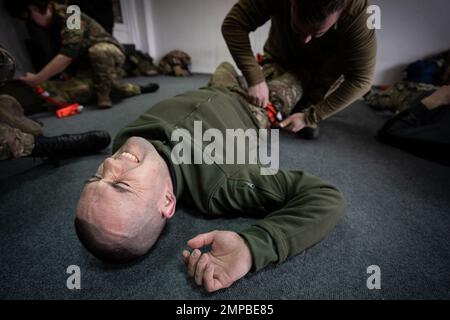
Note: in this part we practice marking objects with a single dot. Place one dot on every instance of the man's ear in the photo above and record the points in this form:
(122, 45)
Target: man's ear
(169, 205)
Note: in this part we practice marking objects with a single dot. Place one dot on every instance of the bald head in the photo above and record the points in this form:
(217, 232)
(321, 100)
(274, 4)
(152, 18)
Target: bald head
(125, 205)
(117, 235)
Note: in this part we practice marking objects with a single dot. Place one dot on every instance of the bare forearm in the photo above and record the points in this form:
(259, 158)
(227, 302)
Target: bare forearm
(439, 98)
(57, 65)
(431, 103)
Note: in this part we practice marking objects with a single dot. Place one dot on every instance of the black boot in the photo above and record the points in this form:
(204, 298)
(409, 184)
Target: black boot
(70, 145)
(309, 133)
(149, 88)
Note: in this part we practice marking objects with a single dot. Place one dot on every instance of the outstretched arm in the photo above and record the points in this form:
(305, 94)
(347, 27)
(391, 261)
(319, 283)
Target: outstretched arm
(54, 67)
(299, 211)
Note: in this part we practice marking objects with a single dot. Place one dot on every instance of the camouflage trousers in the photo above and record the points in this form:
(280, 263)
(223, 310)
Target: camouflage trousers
(17, 132)
(285, 91)
(399, 97)
(102, 78)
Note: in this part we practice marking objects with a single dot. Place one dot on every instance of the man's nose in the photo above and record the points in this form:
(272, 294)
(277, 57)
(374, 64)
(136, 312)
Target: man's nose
(111, 168)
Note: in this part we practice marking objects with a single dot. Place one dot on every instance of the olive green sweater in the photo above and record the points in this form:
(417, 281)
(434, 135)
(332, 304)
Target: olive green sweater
(350, 40)
(295, 210)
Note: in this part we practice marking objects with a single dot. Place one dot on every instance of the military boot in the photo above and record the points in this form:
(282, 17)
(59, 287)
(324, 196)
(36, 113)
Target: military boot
(309, 133)
(71, 145)
(104, 101)
(149, 88)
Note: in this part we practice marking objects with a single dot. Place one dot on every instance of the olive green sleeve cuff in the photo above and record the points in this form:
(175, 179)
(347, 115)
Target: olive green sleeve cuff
(312, 118)
(254, 76)
(262, 247)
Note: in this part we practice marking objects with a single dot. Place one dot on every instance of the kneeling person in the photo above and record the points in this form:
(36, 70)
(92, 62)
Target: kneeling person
(98, 55)
(126, 204)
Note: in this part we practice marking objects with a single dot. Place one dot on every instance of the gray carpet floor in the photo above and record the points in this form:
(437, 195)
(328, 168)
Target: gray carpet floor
(398, 217)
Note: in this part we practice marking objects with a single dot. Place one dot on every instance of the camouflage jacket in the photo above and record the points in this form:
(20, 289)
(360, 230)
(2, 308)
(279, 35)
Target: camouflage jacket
(76, 43)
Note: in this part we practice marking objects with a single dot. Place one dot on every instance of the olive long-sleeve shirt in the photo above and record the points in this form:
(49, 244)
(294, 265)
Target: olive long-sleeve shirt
(296, 210)
(350, 41)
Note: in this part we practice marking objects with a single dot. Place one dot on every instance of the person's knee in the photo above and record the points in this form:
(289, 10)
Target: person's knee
(228, 67)
(97, 52)
(11, 105)
(105, 52)
(14, 143)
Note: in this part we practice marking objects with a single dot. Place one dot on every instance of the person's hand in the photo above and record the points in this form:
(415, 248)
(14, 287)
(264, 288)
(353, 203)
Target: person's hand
(441, 97)
(228, 261)
(259, 94)
(31, 79)
(294, 123)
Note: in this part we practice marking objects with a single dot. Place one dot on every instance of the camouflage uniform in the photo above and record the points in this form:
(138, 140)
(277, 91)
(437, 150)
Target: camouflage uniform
(285, 90)
(175, 63)
(402, 95)
(77, 89)
(106, 60)
(16, 131)
(308, 85)
(142, 65)
(99, 57)
(399, 97)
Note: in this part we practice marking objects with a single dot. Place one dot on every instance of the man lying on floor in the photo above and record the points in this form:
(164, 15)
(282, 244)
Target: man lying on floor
(126, 204)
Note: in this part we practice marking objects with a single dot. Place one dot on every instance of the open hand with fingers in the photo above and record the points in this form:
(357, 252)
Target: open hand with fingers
(31, 79)
(228, 260)
(294, 123)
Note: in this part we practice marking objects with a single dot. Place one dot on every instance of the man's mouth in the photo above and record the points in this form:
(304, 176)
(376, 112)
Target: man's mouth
(130, 156)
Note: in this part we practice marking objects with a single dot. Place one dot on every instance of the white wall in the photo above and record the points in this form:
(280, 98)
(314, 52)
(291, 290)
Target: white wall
(194, 26)
(411, 29)
(137, 27)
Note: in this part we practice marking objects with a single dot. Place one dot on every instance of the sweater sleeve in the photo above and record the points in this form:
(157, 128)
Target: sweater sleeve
(360, 49)
(245, 17)
(296, 211)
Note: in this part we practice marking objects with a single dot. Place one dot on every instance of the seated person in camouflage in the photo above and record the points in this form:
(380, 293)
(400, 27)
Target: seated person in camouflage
(397, 98)
(22, 137)
(126, 204)
(402, 95)
(97, 54)
(423, 128)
